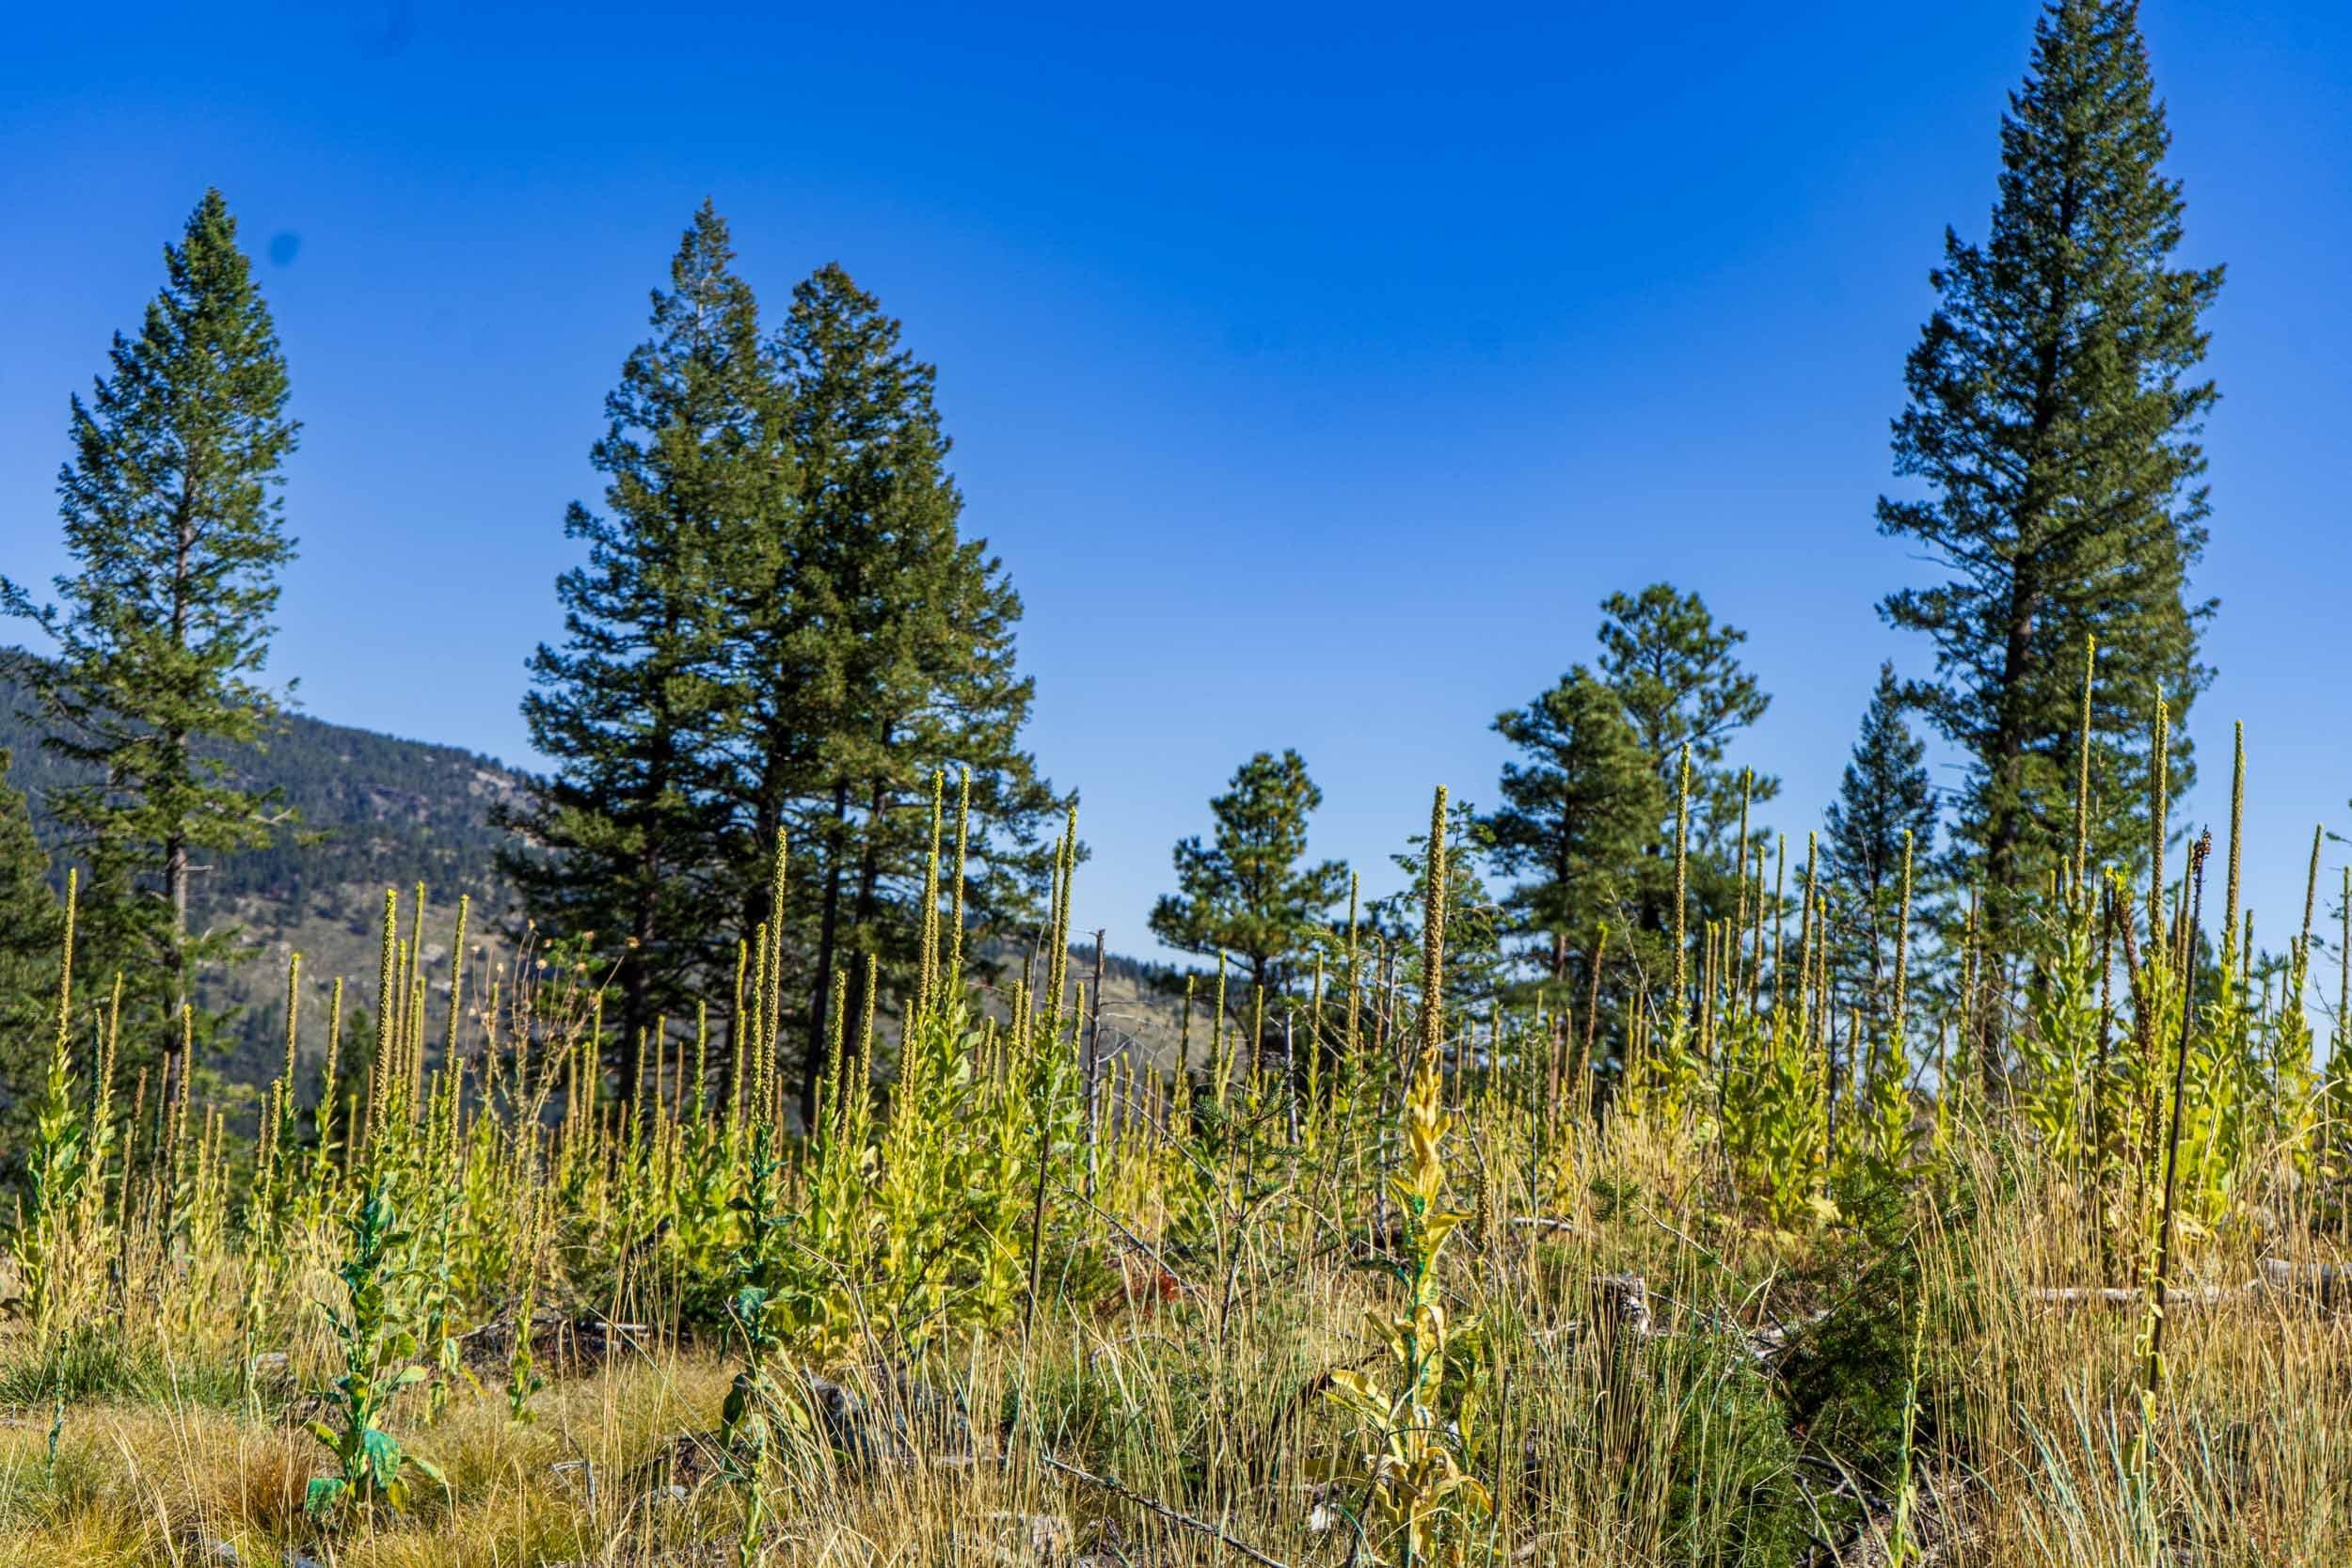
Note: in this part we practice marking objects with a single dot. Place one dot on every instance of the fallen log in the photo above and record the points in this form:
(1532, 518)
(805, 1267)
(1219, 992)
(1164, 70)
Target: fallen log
(2321, 1282)
(2130, 1295)
(1546, 1222)
(2326, 1282)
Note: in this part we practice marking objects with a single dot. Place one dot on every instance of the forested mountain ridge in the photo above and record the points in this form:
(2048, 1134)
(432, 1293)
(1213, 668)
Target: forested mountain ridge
(371, 806)
(379, 811)
(374, 811)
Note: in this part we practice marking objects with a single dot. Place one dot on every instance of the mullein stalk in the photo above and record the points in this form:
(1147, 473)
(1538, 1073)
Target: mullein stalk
(1353, 980)
(762, 1091)
(1058, 960)
(927, 981)
(1804, 947)
(1740, 865)
(1180, 1123)
(1220, 1067)
(386, 1019)
(2238, 833)
(2152, 1370)
(702, 1058)
(1780, 915)
(2082, 779)
(1683, 893)
(955, 926)
(326, 1080)
(771, 992)
(1897, 1030)
(59, 1146)
(101, 1125)
(456, 983)
(2160, 770)
(861, 1106)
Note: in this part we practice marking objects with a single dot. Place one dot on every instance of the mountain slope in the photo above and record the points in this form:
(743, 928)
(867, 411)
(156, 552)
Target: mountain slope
(376, 811)
(381, 811)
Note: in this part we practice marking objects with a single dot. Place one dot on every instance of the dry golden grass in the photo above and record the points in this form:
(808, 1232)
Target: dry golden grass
(1423, 1315)
(1212, 1403)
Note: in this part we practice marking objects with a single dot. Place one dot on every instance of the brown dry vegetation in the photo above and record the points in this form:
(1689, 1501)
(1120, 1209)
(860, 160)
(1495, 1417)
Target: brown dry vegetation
(1395, 1303)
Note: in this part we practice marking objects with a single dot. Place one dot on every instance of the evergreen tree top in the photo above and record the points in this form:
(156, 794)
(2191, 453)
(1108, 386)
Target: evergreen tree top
(1884, 792)
(1247, 890)
(171, 502)
(2054, 418)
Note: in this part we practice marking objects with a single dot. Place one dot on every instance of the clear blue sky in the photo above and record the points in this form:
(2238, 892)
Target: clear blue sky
(1314, 369)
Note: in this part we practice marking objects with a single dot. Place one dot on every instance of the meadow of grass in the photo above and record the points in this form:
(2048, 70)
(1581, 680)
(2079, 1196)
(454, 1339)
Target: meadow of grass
(1422, 1289)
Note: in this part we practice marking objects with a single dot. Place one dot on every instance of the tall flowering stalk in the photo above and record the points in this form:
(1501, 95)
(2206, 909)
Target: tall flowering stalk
(59, 1155)
(1415, 1493)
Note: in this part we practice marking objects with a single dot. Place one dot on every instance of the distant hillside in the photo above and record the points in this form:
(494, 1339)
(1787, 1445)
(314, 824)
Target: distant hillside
(377, 812)
(1142, 1002)
(380, 812)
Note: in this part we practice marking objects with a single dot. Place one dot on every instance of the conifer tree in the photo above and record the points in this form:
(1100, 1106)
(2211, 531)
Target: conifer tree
(2053, 418)
(1677, 674)
(173, 517)
(1579, 807)
(1250, 890)
(633, 704)
(875, 644)
(1884, 794)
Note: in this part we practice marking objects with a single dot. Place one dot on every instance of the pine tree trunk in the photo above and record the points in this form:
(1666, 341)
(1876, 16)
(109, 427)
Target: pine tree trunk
(861, 918)
(828, 922)
(2006, 832)
(636, 994)
(870, 860)
(176, 742)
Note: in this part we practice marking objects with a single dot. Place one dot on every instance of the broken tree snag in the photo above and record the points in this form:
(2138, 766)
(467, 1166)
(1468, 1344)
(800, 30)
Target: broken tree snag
(1621, 1308)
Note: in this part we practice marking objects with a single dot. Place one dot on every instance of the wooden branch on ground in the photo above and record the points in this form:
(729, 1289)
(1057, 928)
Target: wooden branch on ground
(1156, 1506)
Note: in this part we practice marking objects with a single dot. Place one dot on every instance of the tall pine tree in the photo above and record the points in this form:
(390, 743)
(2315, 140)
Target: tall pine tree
(1677, 671)
(875, 644)
(1579, 804)
(632, 705)
(2053, 418)
(173, 517)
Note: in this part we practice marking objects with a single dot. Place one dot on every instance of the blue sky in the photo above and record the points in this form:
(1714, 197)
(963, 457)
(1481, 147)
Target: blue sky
(1315, 369)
